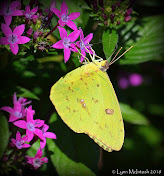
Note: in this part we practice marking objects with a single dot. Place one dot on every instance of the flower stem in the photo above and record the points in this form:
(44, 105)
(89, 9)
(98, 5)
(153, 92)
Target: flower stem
(51, 31)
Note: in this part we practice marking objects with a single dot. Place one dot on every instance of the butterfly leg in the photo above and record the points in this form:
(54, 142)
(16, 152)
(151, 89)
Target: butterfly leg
(86, 59)
(94, 54)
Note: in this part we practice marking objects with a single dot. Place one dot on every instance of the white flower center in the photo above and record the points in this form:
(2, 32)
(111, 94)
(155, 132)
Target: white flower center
(7, 11)
(65, 17)
(66, 42)
(17, 114)
(31, 126)
(18, 144)
(12, 39)
(29, 15)
(37, 162)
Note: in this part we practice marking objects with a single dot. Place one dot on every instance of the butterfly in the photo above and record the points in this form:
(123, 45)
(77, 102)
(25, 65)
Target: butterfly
(86, 101)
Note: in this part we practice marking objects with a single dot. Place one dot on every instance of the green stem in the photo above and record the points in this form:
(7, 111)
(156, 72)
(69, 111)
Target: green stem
(51, 31)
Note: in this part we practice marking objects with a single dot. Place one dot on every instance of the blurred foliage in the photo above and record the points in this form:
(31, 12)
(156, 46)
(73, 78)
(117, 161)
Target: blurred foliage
(3, 136)
(32, 75)
(146, 35)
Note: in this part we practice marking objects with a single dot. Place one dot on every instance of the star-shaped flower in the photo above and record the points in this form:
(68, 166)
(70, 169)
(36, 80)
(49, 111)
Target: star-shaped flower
(46, 135)
(64, 17)
(20, 142)
(30, 14)
(66, 42)
(13, 38)
(18, 110)
(31, 126)
(10, 10)
(37, 161)
(83, 44)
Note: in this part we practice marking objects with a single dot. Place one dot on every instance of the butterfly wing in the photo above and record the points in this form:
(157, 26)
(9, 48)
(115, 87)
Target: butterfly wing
(86, 101)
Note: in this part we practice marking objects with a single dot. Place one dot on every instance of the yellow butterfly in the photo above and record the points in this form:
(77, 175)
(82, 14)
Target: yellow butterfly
(87, 103)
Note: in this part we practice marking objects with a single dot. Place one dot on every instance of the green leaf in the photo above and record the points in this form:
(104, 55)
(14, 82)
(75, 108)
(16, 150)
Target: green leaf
(132, 116)
(4, 134)
(72, 154)
(22, 92)
(146, 39)
(30, 58)
(110, 39)
(33, 149)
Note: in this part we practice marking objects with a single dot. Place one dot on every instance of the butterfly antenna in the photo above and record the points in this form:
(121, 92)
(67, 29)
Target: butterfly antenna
(120, 55)
(115, 55)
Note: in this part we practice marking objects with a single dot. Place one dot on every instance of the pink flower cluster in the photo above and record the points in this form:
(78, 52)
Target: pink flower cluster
(22, 117)
(67, 42)
(12, 38)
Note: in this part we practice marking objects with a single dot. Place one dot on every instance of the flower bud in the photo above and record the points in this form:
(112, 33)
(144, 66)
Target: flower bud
(104, 16)
(118, 4)
(128, 18)
(29, 32)
(128, 12)
(35, 36)
(113, 7)
(35, 20)
(112, 17)
(94, 3)
(41, 33)
(118, 22)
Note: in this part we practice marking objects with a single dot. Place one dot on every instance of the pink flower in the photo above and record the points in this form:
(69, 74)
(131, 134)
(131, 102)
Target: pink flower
(20, 142)
(64, 17)
(18, 110)
(66, 42)
(30, 14)
(31, 126)
(46, 135)
(37, 161)
(13, 38)
(135, 79)
(9, 11)
(84, 43)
